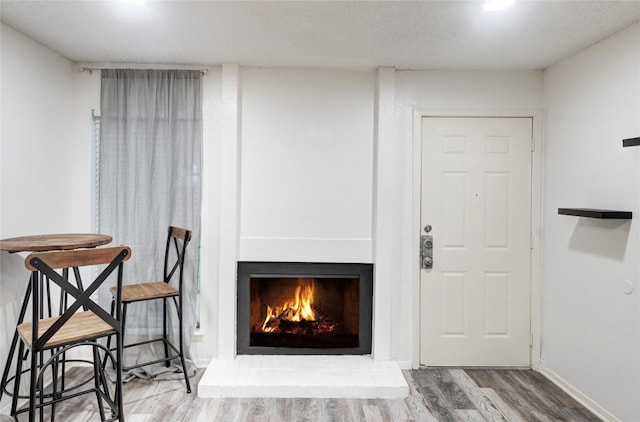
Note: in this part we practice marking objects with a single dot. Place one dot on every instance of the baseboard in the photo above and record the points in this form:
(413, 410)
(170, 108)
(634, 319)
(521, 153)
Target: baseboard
(579, 396)
(405, 364)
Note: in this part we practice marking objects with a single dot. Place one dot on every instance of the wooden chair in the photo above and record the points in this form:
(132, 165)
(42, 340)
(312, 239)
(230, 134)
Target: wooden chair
(177, 241)
(74, 327)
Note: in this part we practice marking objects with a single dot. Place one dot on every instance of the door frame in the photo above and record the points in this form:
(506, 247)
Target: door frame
(536, 217)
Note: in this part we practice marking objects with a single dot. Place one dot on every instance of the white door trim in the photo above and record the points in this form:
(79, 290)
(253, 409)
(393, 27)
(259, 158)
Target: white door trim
(536, 217)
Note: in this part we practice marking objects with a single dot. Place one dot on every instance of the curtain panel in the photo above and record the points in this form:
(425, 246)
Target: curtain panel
(149, 179)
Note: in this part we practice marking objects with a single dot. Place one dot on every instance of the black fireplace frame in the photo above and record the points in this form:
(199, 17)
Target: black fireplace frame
(248, 269)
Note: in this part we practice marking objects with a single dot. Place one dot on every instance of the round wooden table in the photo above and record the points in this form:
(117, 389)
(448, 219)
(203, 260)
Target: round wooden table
(54, 242)
(40, 243)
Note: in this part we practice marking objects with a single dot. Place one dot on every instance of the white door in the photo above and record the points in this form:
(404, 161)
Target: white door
(476, 195)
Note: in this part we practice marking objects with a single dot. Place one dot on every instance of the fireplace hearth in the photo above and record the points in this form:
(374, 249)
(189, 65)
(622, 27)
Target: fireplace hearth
(304, 308)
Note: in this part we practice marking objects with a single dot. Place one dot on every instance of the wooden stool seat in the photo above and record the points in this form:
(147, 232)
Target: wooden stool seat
(81, 326)
(146, 291)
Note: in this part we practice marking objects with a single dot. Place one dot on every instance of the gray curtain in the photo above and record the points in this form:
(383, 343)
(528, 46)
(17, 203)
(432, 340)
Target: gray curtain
(150, 178)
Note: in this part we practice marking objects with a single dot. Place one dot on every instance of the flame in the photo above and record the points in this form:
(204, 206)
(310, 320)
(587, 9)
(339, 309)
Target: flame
(302, 309)
(299, 308)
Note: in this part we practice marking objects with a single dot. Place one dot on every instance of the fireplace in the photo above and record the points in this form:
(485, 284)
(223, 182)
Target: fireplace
(299, 308)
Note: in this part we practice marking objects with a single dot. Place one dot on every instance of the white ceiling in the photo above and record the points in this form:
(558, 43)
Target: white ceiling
(532, 34)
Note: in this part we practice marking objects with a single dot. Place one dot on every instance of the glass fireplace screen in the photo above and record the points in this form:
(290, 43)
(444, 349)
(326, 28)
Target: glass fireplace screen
(304, 308)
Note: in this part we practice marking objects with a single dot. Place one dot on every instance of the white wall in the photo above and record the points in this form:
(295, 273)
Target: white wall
(43, 186)
(591, 327)
(205, 342)
(309, 148)
(306, 165)
(37, 145)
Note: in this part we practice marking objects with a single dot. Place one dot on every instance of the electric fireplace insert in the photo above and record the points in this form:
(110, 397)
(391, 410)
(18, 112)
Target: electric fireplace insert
(304, 308)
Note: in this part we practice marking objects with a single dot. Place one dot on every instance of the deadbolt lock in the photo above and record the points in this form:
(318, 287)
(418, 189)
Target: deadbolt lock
(426, 250)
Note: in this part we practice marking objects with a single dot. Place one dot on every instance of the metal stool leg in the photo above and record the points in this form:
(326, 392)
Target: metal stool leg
(181, 346)
(14, 342)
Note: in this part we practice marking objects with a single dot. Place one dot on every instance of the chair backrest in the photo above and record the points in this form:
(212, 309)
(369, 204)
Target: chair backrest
(177, 241)
(46, 264)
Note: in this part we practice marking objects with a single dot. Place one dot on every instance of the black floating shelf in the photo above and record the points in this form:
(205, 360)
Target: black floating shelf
(631, 142)
(595, 213)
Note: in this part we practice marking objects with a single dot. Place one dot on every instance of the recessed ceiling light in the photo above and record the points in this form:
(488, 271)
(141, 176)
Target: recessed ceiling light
(497, 4)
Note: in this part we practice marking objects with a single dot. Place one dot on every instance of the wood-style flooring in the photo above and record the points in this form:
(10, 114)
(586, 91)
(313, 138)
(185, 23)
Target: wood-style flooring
(435, 395)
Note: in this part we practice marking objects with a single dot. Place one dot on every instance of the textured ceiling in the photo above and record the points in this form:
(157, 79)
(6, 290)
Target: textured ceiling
(414, 35)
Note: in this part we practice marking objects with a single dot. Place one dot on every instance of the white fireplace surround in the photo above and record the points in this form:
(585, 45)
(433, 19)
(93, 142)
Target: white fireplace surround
(300, 189)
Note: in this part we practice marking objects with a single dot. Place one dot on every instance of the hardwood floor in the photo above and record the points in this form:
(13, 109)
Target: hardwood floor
(435, 395)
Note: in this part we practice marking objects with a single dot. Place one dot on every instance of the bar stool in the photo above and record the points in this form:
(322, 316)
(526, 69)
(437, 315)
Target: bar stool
(75, 327)
(167, 290)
